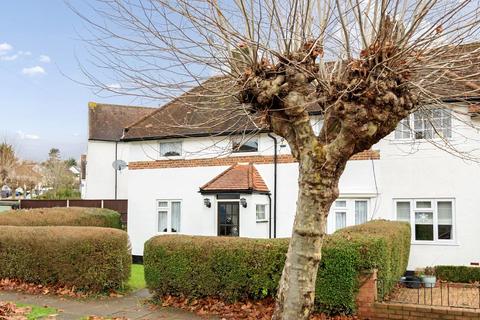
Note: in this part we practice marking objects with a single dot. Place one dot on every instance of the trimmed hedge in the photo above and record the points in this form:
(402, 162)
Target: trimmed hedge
(237, 268)
(73, 216)
(88, 258)
(462, 274)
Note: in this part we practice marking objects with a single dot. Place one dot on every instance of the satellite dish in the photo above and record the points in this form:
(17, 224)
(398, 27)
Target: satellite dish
(119, 165)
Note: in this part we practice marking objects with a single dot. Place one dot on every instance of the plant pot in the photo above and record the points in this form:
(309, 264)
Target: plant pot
(429, 281)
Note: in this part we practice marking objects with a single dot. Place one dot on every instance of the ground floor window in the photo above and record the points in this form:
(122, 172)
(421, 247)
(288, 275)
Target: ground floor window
(349, 212)
(169, 215)
(261, 212)
(431, 219)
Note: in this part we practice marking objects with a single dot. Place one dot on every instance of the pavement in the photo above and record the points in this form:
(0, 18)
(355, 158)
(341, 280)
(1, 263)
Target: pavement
(131, 306)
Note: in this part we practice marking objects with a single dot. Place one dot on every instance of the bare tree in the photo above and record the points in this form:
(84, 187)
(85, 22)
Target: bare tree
(8, 162)
(363, 64)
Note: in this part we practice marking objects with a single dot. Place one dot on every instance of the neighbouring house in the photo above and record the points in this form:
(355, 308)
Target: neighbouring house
(180, 179)
(105, 145)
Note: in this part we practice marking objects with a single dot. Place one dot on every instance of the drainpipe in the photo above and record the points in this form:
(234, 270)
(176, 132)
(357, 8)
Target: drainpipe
(116, 171)
(269, 216)
(275, 158)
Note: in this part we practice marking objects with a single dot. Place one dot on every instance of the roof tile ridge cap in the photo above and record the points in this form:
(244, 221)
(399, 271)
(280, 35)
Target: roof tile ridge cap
(250, 176)
(219, 175)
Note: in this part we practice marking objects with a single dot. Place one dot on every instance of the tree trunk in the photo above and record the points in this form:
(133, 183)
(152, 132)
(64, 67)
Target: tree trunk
(296, 293)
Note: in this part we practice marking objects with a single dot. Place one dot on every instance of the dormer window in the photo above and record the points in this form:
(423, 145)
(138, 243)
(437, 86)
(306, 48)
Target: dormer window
(245, 144)
(170, 149)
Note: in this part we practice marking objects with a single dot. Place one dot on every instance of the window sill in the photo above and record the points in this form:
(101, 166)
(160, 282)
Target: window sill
(262, 221)
(420, 141)
(163, 158)
(434, 243)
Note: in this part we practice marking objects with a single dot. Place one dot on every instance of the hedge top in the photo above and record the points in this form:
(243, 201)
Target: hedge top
(73, 216)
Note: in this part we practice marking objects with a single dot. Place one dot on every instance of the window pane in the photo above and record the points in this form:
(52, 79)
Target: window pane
(176, 215)
(403, 129)
(162, 204)
(261, 214)
(340, 220)
(169, 149)
(403, 211)
(424, 204)
(162, 221)
(340, 204)
(445, 220)
(360, 212)
(423, 225)
(245, 145)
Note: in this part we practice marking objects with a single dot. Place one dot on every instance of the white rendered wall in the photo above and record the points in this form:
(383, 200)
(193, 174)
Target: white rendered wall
(100, 179)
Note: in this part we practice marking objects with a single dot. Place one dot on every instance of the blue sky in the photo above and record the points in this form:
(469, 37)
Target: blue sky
(40, 107)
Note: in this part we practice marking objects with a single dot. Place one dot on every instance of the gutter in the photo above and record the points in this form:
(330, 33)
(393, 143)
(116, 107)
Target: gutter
(275, 170)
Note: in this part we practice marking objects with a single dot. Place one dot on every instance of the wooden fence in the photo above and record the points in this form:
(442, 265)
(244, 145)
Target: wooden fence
(121, 206)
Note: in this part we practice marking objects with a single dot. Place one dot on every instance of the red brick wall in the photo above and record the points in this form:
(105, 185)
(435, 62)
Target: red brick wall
(369, 309)
(228, 161)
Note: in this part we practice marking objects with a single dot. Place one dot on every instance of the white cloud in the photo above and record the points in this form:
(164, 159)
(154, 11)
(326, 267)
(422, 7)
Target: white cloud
(27, 136)
(33, 71)
(114, 86)
(9, 58)
(24, 53)
(5, 47)
(44, 58)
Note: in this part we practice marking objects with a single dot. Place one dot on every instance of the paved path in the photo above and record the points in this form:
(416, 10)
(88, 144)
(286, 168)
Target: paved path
(130, 306)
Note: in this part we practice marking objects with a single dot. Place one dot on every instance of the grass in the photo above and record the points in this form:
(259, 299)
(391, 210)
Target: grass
(37, 312)
(137, 278)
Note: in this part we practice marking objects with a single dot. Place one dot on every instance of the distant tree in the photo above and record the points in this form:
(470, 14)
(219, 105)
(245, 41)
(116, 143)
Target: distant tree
(71, 162)
(54, 154)
(8, 162)
(58, 176)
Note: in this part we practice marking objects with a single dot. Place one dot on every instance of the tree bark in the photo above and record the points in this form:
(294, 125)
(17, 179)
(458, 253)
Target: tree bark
(317, 190)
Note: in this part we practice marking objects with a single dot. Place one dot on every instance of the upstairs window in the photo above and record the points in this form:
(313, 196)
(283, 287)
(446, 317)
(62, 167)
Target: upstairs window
(244, 144)
(170, 149)
(425, 124)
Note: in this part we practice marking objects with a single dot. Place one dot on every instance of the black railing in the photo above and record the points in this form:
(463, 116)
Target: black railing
(442, 294)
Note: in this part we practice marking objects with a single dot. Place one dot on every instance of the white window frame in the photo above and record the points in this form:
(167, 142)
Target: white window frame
(243, 140)
(169, 142)
(266, 212)
(434, 209)
(409, 124)
(168, 208)
(349, 210)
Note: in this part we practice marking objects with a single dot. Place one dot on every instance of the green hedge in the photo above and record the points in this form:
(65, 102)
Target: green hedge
(237, 268)
(461, 274)
(93, 217)
(88, 258)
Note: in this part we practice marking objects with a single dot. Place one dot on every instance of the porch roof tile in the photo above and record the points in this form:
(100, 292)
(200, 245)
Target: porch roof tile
(239, 177)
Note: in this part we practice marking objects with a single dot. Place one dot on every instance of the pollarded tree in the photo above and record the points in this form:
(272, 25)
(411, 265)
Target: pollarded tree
(363, 64)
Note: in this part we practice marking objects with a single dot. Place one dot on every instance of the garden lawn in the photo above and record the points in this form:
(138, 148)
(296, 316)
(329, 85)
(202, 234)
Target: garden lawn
(137, 278)
(37, 312)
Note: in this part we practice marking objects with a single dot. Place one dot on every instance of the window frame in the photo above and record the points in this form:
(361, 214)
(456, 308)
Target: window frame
(168, 209)
(241, 141)
(433, 208)
(170, 142)
(265, 206)
(410, 127)
(349, 209)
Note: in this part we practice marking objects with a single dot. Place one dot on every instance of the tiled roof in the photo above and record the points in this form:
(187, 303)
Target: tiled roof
(239, 177)
(107, 121)
(208, 109)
